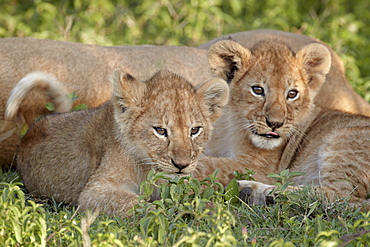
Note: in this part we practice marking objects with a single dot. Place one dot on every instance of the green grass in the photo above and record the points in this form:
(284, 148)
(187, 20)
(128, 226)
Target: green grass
(196, 213)
(206, 216)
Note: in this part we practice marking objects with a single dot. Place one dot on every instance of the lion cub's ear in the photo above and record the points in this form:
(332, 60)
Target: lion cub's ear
(127, 91)
(215, 93)
(316, 60)
(228, 60)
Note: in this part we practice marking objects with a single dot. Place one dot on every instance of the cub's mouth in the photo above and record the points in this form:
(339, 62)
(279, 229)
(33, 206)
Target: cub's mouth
(270, 135)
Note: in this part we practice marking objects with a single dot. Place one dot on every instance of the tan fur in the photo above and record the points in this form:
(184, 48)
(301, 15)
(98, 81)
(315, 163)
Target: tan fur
(331, 146)
(36, 81)
(96, 158)
(84, 69)
(336, 92)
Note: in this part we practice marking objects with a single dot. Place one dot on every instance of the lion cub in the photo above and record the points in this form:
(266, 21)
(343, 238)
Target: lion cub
(271, 122)
(96, 158)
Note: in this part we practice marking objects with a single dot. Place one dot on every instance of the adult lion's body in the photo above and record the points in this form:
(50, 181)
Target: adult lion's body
(96, 158)
(336, 92)
(271, 122)
(84, 69)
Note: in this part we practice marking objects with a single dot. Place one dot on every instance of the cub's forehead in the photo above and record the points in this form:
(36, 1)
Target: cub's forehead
(274, 54)
(169, 89)
(173, 99)
(274, 62)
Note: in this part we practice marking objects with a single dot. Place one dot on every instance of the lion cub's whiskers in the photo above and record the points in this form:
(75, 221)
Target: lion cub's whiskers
(114, 148)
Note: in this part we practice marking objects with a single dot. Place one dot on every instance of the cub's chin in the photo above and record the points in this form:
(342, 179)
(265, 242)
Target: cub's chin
(266, 141)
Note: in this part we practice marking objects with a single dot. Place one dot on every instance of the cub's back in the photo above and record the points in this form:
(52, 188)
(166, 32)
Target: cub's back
(36, 153)
(336, 153)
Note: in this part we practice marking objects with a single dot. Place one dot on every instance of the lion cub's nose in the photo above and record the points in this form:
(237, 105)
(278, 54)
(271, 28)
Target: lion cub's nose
(181, 164)
(274, 124)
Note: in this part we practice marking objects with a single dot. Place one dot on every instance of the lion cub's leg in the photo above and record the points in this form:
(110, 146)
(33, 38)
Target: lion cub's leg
(103, 195)
(113, 188)
(255, 193)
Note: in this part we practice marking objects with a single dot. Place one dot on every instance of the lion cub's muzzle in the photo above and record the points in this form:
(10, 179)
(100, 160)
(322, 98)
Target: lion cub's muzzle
(273, 125)
(267, 135)
(182, 164)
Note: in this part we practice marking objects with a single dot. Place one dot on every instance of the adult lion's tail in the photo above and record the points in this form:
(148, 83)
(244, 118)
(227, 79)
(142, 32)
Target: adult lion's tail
(45, 83)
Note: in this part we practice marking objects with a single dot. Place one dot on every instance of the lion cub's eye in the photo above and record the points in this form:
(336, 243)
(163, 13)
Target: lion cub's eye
(258, 90)
(292, 94)
(161, 131)
(194, 131)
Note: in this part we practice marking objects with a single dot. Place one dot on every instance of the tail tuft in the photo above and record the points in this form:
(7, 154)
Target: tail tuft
(36, 80)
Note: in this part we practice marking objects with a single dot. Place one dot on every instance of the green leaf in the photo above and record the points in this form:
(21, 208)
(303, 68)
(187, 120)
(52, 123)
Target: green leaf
(50, 106)
(80, 107)
(165, 192)
(144, 224)
(296, 174)
(174, 191)
(72, 96)
(158, 203)
(162, 228)
(17, 231)
(146, 190)
(247, 175)
(232, 191)
(208, 192)
(284, 173)
(274, 176)
(23, 130)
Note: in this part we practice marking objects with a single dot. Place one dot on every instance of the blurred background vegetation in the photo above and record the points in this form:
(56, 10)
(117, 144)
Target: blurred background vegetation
(304, 220)
(344, 24)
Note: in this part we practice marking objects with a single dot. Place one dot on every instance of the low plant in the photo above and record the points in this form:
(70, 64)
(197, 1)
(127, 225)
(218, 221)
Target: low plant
(188, 212)
(21, 223)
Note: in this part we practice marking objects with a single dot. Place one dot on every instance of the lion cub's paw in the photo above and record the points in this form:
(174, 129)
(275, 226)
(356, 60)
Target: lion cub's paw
(255, 193)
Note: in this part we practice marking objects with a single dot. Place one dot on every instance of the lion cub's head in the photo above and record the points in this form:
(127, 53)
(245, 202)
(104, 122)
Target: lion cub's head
(165, 122)
(271, 88)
